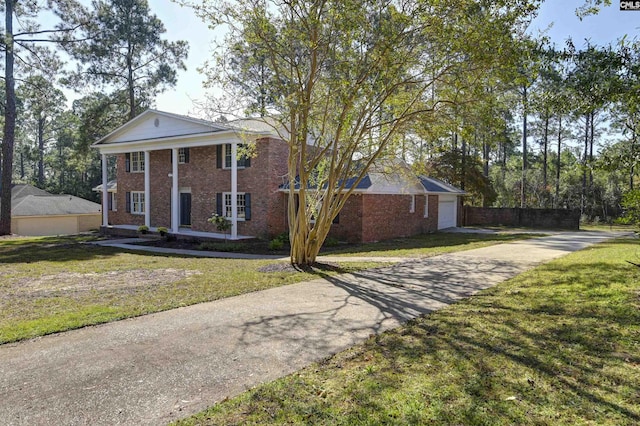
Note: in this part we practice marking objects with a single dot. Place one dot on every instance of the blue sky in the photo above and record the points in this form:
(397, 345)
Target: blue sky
(606, 27)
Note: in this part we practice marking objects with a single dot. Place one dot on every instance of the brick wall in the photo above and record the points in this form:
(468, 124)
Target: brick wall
(430, 223)
(388, 216)
(533, 218)
(203, 180)
(132, 182)
(349, 226)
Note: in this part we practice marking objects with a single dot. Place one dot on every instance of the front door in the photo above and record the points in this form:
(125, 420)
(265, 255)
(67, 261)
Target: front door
(185, 209)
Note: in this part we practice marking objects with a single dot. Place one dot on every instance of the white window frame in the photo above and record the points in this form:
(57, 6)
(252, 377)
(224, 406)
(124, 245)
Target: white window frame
(226, 205)
(137, 162)
(114, 201)
(426, 205)
(137, 202)
(182, 155)
(412, 206)
(226, 153)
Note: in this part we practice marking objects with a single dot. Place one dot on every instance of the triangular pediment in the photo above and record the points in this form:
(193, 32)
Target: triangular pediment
(153, 124)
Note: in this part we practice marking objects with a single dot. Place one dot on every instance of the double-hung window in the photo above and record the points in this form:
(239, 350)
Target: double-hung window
(134, 162)
(426, 205)
(137, 202)
(223, 203)
(225, 157)
(183, 155)
(241, 205)
(112, 201)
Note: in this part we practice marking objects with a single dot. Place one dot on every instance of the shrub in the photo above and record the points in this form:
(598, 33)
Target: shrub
(331, 242)
(214, 246)
(162, 231)
(143, 229)
(284, 237)
(276, 244)
(221, 223)
(631, 206)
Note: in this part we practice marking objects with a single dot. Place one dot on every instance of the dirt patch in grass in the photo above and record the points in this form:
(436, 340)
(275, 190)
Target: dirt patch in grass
(73, 282)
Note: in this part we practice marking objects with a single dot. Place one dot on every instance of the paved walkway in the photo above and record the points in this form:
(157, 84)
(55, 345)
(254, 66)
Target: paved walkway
(157, 368)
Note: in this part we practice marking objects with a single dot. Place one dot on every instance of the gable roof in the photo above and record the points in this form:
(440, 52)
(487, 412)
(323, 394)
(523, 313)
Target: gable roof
(394, 176)
(159, 127)
(21, 190)
(153, 124)
(112, 186)
(436, 186)
(53, 205)
(27, 200)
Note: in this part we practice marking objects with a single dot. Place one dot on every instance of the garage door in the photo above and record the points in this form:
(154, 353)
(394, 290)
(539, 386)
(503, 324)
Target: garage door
(446, 213)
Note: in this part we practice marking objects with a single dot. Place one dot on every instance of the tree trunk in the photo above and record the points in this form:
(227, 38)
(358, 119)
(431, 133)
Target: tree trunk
(485, 158)
(463, 164)
(41, 122)
(558, 162)
(22, 172)
(591, 138)
(633, 159)
(9, 125)
(523, 188)
(583, 197)
(504, 161)
(544, 158)
(130, 84)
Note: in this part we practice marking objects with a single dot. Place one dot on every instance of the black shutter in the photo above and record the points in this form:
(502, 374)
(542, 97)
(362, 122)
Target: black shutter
(186, 155)
(171, 156)
(127, 162)
(219, 203)
(128, 201)
(109, 200)
(219, 156)
(247, 206)
(336, 219)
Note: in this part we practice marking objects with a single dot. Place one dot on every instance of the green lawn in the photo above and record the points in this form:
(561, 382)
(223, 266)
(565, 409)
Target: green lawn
(558, 345)
(52, 284)
(55, 284)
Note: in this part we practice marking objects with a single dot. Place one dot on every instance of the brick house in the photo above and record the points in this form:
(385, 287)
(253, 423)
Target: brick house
(176, 171)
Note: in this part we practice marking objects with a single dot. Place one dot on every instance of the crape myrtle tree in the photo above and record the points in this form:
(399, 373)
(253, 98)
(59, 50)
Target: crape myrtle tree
(343, 80)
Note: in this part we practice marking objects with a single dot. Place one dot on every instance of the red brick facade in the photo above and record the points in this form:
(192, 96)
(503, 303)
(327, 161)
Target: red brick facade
(364, 218)
(203, 179)
(378, 217)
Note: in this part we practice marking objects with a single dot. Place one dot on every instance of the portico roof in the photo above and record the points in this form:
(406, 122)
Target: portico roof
(154, 130)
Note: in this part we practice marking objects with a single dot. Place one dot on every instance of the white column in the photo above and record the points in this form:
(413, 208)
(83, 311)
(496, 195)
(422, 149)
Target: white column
(175, 219)
(234, 190)
(105, 192)
(147, 190)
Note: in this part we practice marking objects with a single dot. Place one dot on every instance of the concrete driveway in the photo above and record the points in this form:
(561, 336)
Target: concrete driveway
(161, 367)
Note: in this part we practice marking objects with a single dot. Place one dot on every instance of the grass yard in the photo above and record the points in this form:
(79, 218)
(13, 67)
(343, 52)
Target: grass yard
(558, 345)
(56, 284)
(52, 284)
